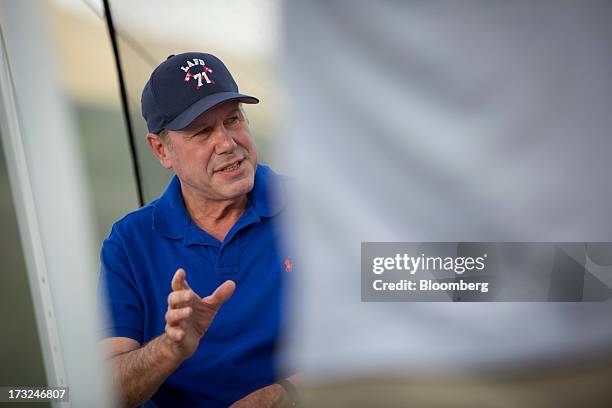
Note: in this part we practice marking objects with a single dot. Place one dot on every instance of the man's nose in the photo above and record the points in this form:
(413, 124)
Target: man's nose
(224, 142)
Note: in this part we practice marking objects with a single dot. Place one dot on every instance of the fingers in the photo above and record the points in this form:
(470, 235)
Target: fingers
(179, 280)
(175, 316)
(220, 295)
(176, 334)
(181, 298)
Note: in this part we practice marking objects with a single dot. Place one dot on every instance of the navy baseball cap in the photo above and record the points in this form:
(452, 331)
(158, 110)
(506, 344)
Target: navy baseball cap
(185, 86)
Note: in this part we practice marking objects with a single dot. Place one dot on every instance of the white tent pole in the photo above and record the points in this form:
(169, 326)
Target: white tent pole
(54, 214)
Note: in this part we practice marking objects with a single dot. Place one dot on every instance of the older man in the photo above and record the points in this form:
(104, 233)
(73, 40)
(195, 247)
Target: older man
(213, 232)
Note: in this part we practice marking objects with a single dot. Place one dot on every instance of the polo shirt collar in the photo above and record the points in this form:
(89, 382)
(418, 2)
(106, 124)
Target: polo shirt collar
(269, 195)
(169, 215)
(266, 199)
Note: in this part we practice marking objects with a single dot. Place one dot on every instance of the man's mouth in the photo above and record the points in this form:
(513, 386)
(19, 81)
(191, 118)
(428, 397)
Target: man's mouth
(231, 167)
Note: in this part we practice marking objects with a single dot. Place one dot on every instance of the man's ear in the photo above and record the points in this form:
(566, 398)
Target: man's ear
(160, 149)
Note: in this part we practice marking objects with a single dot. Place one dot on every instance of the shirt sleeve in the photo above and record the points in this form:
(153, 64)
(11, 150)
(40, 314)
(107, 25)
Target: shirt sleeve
(118, 295)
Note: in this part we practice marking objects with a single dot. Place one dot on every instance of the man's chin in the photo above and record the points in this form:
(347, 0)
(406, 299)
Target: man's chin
(237, 189)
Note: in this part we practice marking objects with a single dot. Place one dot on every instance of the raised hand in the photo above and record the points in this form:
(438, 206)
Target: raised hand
(189, 316)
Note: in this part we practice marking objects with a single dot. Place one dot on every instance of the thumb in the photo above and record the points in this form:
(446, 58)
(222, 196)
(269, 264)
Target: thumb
(220, 295)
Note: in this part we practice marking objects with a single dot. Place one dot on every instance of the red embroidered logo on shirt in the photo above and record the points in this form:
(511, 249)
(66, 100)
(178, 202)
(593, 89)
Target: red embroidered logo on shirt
(288, 265)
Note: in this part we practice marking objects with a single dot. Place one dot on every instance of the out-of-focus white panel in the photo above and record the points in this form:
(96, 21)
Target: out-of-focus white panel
(444, 121)
(53, 208)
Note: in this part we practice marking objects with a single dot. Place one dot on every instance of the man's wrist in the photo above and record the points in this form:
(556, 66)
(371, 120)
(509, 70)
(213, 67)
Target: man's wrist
(170, 350)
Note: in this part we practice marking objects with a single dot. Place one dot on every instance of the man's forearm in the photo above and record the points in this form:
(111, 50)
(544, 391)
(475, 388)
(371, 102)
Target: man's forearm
(139, 373)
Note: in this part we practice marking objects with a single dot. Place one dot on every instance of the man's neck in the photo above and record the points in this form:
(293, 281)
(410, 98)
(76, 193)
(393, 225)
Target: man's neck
(216, 217)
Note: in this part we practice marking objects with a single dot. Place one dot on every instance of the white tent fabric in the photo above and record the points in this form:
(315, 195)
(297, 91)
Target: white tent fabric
(444, 121)
(46, 172)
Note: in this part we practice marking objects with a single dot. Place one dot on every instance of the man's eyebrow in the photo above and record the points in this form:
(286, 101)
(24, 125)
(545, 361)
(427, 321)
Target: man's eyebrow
(193, 130)
(198, 126)
(201, 126)
(233, 111)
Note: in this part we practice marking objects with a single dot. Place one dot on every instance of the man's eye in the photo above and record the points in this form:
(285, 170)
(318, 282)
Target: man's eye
(232, 120)
(204, 132)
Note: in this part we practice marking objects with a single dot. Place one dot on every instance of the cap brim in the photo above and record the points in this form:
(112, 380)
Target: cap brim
(184, 119)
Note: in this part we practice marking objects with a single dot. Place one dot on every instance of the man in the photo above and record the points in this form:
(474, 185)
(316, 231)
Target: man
(212, 233)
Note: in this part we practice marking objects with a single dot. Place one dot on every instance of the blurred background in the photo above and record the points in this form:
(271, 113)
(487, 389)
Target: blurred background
(415, 121)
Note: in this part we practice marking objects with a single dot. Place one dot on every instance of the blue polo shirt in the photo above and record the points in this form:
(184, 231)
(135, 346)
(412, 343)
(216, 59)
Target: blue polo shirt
(144, 250)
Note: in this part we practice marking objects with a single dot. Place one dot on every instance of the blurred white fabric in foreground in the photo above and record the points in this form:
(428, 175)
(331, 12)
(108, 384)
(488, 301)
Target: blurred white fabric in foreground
(444, 121)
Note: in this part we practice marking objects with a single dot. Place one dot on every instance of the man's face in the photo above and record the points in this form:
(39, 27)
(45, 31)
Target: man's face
(214, 157)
